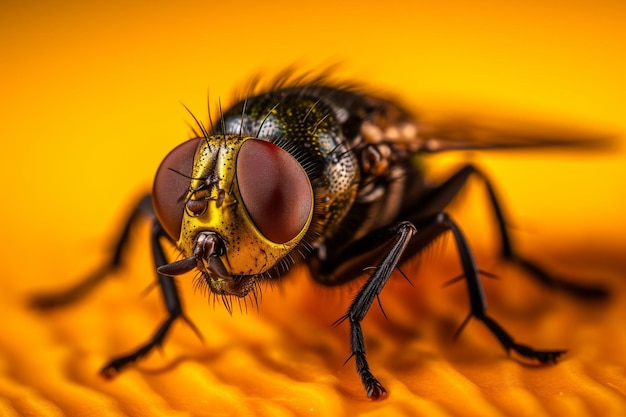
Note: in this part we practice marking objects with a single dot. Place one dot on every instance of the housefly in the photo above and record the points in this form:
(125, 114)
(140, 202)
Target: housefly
(324, 175)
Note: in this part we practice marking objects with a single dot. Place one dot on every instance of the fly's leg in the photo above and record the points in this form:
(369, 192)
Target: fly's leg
(438, 198)
(172, 303)
(441, 223)
(400, 235)
(167, 284)
(45, 301)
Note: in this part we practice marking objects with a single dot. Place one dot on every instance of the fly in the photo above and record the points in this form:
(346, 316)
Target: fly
(322, 175)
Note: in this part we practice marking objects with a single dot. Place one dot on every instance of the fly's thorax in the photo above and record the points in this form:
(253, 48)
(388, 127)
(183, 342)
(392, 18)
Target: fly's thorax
(253, 194)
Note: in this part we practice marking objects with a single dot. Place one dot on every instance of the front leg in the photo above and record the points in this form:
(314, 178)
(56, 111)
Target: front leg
(399, 240)
(172, 304)
(400, 235)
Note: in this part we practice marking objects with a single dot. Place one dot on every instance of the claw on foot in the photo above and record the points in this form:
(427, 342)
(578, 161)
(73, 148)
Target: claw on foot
(374, 389)
(543, 356)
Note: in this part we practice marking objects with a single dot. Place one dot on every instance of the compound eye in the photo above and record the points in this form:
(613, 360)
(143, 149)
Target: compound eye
(171, 184)
(275, 190)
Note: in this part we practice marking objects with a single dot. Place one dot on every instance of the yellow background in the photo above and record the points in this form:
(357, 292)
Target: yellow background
(91, 103)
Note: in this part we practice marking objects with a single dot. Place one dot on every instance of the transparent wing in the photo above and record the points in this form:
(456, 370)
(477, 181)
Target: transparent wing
(465, 134)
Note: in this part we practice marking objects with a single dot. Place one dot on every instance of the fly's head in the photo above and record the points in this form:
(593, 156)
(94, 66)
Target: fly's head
(235, 206)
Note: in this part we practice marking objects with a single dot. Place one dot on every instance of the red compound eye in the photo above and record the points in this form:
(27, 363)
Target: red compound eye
(275, 189)
(171, 183)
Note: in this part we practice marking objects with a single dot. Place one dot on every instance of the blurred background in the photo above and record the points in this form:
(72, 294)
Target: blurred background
(91, 103)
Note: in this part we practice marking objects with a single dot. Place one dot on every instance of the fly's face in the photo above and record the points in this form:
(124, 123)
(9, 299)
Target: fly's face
(235, 207)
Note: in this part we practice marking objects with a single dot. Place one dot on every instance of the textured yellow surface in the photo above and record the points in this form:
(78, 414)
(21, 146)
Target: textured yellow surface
(91, 104)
